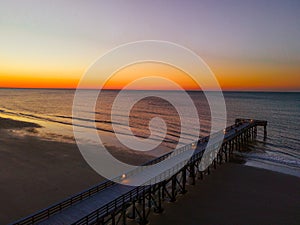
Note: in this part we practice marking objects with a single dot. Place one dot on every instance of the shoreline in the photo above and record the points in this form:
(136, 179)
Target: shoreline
(37, 173)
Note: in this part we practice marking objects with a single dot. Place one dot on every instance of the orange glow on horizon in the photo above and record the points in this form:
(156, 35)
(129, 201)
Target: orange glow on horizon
(40, 82)
(240, 77)
(131, 73)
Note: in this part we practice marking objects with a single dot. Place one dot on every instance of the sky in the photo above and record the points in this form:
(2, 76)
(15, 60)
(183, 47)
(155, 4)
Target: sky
(249, 45)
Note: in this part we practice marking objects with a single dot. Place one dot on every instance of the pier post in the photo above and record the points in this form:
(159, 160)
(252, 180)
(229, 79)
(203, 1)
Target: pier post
(113, 219)
(138, 203)
(226, 152)
(163, 194)
(132, 215)
(159, 208)
(143, 220)
(208, 170)
(183, 191)
(248, 135)
(231, 146)
(220, 154)
(124, 214)
(265, 132)
(173, 195)
(201, 175)
(192, 173)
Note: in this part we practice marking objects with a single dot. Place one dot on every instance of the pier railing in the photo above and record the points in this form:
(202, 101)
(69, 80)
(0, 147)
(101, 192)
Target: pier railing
(234, 134)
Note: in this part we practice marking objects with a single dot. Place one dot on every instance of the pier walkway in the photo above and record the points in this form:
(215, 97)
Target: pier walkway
(112, 202)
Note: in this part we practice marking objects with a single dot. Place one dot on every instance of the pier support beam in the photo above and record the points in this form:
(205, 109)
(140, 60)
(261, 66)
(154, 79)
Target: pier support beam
(159, 209)
(183, 191)
(139, 202)
(173, 195)
(143, 219)
(265, 132)
(226, 152)
(192, 173)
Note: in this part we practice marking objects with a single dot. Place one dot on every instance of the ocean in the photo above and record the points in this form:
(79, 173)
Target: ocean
(52, 109)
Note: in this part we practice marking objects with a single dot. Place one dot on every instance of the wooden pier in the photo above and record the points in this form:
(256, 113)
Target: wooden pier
(115, 203)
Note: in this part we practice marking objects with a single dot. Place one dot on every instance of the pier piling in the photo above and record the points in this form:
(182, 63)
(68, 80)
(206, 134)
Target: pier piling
(114, 203)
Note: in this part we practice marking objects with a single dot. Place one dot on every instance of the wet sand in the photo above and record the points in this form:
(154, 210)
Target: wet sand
(236, 194)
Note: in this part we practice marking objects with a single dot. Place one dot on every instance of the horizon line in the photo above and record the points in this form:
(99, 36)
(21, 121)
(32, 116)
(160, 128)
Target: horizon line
(189, 90)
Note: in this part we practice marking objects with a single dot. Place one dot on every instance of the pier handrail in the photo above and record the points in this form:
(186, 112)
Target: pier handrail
(45, 213)
(55, 208)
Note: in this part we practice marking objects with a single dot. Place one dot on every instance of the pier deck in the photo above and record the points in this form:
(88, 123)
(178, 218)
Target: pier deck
(111, 202)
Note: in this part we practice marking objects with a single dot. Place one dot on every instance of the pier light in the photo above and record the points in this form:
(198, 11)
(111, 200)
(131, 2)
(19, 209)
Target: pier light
(194, 145)
(251, 120)
(123, 176)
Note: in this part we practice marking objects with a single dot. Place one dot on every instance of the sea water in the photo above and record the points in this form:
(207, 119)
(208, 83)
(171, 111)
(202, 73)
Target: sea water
(52, 109)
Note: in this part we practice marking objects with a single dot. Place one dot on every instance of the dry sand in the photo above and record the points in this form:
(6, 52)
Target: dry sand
(36, 173)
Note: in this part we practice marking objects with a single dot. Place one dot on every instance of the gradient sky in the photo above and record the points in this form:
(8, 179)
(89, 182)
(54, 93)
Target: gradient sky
(249, 45)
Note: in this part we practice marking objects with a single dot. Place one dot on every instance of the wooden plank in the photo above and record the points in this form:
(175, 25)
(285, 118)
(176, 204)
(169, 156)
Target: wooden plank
(87, 206)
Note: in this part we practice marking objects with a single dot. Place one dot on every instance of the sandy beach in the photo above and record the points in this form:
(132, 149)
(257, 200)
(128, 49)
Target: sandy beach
(92, 90)
(36, 173)
(236, 194)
